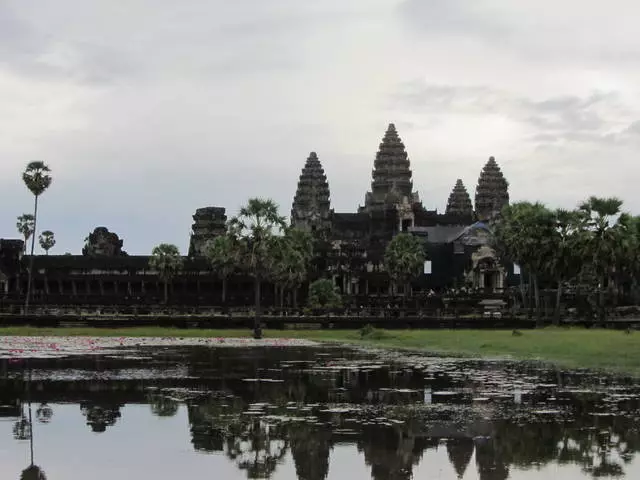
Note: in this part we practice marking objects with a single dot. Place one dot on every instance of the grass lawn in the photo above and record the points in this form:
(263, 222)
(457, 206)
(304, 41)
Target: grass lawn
(574, 347)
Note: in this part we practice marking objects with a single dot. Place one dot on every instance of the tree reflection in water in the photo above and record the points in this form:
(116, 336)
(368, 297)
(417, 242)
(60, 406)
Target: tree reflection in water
(255, 423)
(256, 447)
(100, 415)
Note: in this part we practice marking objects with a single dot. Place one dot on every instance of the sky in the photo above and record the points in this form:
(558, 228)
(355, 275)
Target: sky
(146, 110)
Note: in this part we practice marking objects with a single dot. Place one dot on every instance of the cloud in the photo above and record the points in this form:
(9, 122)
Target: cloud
(597, 117)
(148, 109)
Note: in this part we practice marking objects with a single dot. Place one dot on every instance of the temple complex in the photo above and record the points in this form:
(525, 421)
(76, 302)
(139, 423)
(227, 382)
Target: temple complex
(458, 244)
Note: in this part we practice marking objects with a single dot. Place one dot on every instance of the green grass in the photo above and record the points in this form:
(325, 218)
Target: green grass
(575, 347)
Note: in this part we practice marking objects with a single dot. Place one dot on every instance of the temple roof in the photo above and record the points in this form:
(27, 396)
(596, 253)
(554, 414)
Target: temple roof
(312, 196)
(391, 172)
(492, 191)
(459, 202)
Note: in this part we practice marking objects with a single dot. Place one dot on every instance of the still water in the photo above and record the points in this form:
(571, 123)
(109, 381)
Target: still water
(166, 413)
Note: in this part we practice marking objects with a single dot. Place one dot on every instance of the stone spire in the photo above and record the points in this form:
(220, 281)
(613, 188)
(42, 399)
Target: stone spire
(311, 204)
(459, 201)
(391, 174)
(492, 192)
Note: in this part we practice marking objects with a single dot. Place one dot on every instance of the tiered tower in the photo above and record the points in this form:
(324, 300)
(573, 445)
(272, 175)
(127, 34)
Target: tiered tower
(311, 203)
(492, 192)
(459, 203)
(208, 223)
(391, 185)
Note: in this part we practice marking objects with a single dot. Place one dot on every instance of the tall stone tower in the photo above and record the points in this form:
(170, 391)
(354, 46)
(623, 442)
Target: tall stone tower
(208, 223)
(459, 203)
(492, 192)
(311, 203)
(391, 185)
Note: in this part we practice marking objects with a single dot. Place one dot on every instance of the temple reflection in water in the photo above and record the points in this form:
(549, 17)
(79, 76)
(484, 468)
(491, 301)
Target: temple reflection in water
(268, 410)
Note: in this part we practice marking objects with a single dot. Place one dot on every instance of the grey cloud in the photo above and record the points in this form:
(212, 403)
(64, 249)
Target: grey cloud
(560, 118)
(545, 30)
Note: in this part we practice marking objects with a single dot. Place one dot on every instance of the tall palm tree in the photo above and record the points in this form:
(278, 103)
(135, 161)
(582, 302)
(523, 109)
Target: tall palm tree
(37, 178)
(166, 260)
(25, 226)
(47, 240)
(602, 248)
(224, 254)
(256, 225)
(567, 241)
(404, 258)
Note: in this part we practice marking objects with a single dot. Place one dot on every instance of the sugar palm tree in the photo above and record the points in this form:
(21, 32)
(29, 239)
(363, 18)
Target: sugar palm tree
(224, 254)
(166, 260)
(255, 226)
(37, 178)
(404, 258)
(603, 247)
(567, 244)
(25, 226)
(47, 240)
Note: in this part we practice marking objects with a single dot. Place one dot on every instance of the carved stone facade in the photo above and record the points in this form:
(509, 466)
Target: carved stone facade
(208, 223)
(312, 205)
(103, 243)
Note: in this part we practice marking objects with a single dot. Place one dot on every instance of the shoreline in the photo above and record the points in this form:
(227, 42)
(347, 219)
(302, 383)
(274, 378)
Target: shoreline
(611, 351)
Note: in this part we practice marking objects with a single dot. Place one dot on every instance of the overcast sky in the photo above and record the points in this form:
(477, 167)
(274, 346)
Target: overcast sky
(148, 109)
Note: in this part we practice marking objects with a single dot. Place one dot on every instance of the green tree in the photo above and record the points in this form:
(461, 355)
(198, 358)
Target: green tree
(404, 259)
(291, 257)
(255, 226)
(567, 244)
(224, 254)
(33, 472)
(37, 178)
(324, 294)
(603, 247)
(47, 240)
(524, 235)
(25, 226)
(166, 260)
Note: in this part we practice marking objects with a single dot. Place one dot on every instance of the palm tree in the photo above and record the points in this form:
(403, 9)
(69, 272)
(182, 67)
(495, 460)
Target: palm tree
(37, 178)
(33, 472)
(523, 235)
(602, 248)
(255, 226)
(404, 258)
(166, 260)
(567, 242)
(47, 240)
(291, 256)
(25, 226)
(224, 254)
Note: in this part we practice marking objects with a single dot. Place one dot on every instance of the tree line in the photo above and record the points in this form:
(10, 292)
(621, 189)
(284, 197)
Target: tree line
(590, 253)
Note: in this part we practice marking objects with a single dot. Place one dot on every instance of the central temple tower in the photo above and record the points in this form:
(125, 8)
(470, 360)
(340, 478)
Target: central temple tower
(391, 185)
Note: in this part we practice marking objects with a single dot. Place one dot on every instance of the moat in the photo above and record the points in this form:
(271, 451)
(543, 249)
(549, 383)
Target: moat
(300, 412)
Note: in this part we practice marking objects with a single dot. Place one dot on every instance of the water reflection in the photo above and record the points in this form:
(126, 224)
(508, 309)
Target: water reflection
(268, 410)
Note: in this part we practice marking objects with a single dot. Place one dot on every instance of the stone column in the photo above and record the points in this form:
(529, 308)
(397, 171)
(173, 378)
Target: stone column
(74, 288)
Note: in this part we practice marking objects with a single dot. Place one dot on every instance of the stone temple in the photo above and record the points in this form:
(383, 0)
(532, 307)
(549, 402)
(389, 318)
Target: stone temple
(351, 245)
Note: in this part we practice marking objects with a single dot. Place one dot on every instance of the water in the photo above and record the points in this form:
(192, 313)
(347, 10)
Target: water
(308, 413)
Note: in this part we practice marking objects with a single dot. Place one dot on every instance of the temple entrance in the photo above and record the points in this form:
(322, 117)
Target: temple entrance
(487, 274)
(489, 277)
